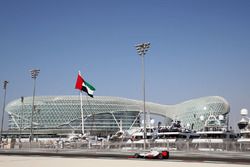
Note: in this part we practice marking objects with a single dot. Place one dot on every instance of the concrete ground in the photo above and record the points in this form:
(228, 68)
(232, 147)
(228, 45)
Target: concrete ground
(39, 161)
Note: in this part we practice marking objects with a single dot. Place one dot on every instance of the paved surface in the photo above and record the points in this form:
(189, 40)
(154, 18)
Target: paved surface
(218, 157)
(38, 161)
(229, 157)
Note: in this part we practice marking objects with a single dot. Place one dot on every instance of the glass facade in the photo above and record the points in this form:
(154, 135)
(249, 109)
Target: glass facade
(191, 111)
(103, 114)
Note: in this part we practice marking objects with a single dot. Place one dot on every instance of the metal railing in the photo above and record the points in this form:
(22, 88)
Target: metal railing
(180, 145)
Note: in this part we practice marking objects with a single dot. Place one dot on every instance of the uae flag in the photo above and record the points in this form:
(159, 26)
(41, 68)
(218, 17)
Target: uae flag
(84, 86)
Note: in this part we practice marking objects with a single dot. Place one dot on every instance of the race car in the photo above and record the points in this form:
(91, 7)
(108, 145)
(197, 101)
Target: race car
(153, 154)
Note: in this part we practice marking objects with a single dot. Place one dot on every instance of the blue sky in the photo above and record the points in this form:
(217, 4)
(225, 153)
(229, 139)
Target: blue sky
(198, 48)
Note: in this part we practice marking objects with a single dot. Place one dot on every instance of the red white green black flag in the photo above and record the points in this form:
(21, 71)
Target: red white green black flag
(82, 85)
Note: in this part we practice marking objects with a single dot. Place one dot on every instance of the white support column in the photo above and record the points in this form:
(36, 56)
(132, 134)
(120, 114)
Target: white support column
(115, 120)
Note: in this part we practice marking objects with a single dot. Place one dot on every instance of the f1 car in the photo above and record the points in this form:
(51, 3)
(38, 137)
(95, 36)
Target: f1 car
(153, 154)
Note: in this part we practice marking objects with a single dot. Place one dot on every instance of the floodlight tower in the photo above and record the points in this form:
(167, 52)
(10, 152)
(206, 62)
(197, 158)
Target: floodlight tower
(141, 50)
(34, 74)
(4, 98)
(21, 119)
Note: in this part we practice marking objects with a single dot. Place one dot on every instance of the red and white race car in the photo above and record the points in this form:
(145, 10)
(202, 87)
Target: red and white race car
(153, 154)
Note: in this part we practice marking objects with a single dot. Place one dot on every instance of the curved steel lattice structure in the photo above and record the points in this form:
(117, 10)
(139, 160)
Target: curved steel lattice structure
(104, 113)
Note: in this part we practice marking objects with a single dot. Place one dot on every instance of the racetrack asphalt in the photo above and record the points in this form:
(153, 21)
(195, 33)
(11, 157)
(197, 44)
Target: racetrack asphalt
(42, 161)
(229, 157)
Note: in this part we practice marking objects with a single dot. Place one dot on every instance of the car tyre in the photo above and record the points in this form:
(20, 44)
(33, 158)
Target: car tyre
(160, 156)
(136, 155)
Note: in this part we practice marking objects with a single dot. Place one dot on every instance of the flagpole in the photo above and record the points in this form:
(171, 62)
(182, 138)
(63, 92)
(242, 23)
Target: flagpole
(82, 113)
(92, 113)
(86, 87)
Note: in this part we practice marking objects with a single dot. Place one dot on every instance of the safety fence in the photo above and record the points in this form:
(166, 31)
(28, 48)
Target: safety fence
(179, 145)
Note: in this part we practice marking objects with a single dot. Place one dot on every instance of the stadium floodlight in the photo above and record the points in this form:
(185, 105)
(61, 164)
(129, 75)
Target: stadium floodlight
(141, 50)
(34, 74)
(4, 98)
